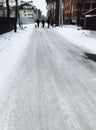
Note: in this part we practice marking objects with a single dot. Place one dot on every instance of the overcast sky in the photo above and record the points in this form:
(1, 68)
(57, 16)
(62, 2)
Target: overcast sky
(41, 4)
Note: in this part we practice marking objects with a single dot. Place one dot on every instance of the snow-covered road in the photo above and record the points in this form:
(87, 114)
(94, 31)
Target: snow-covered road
(54, 88)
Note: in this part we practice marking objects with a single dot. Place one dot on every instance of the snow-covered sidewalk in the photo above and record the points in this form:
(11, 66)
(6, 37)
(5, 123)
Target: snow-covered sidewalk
(53, 87)
(12, 46)
(85, 39)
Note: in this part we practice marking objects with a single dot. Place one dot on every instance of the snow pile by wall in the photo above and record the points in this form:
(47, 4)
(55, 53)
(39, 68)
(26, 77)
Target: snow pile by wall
(85, 39)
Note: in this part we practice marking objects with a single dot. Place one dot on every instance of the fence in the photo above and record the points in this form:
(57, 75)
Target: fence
(6, 24)
(91, 23)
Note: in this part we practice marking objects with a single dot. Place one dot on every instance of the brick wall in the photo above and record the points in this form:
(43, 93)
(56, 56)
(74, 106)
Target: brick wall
(71, 8)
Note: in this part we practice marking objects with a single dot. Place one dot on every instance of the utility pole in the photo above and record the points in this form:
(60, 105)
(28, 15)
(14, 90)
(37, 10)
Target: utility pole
(60, 13)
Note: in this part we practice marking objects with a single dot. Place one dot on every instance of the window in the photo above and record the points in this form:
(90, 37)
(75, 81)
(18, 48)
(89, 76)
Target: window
(87, 6)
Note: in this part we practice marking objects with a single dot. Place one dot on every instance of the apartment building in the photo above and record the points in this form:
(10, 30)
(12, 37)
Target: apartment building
(74, 9)
(26, 10)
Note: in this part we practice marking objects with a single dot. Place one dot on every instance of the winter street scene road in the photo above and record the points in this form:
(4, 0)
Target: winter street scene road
(46, 82)
(47, 64)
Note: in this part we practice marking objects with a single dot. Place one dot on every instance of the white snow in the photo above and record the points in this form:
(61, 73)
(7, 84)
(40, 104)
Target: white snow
(53, 87)
(85, 39)
(87, 16)
(11, 47)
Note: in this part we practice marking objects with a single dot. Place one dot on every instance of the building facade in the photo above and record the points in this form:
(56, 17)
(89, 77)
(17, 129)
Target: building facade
(74, 9)
(27, 10)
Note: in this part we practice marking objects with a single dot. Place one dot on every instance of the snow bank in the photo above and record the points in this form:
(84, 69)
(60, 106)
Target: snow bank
(12, 46)
(85, 39)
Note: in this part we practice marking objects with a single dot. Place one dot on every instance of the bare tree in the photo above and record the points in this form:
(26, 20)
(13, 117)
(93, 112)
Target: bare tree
(16, 15)
(8, 8)
(79, 9)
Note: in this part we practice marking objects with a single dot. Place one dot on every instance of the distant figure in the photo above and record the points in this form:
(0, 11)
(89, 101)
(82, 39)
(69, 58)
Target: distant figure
(48, 22)
(52, 23)
(21, 25)
(35, 25)
(43, 23)
(38, 21)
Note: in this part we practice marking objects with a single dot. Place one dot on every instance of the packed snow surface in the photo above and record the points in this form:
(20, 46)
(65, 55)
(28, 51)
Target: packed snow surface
(46, 82)
(12, 46)
(83, 38)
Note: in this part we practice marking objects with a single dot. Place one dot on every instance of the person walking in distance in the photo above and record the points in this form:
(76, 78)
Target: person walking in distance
(38, 21)
(43, 22)
(48, 22)
(52, 23)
